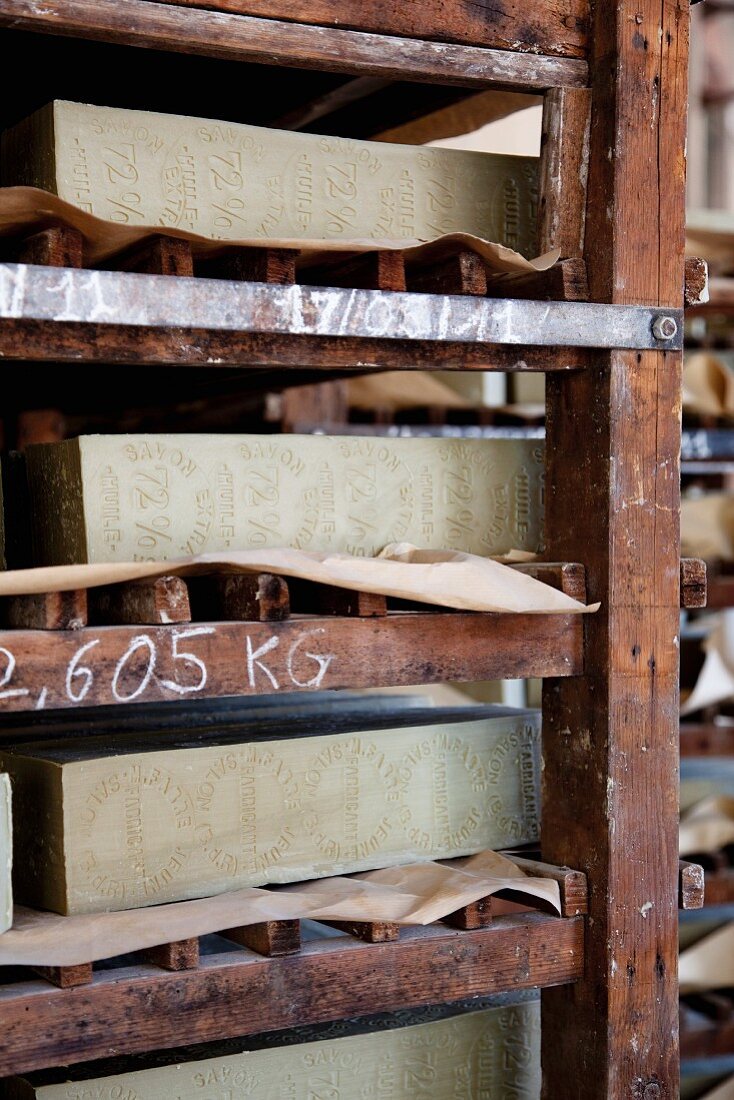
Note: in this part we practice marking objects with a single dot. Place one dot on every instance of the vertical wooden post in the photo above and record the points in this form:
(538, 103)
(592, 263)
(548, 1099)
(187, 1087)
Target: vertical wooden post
(610, 797)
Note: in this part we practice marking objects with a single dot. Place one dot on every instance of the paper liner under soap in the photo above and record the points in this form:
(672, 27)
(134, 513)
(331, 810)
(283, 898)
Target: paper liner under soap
(417, 893)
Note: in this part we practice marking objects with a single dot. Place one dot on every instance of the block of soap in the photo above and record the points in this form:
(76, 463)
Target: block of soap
(225, 180)
(493, 1053)
(128, 827)
(161, 497)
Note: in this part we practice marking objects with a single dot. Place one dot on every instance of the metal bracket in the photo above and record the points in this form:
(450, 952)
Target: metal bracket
(28, 292)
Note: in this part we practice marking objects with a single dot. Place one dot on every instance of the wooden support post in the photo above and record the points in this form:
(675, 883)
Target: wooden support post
(66, 976)
(158, 601)
(469, 917)
(239, 597)
(157, 255)
(48, 611)
(691, 885)
(179, 955)
(60, 246)
(461, 273)
(610, 738)
(371, 931)
(693, 588)
(272, 937)
(564, 160)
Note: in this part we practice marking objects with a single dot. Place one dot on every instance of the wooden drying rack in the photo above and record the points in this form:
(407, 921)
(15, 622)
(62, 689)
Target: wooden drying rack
(611, 193)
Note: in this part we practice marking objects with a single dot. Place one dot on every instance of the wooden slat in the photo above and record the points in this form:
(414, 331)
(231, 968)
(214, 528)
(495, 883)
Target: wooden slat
(696, 286)
(703, 1037)
(310, 598)
(66, 977)
(205, 660)
(691, 885)
(568, 577)
(461, 273)
(476, 915)
(721, 296)
(328, 980)
(272, 938)
(692, 583)
(558, 28)
(370, 931)
(156, 255)
(719, 592)
(155, 602)
(179, 955)
(52, 611)
(610, 743)
(60, 246)
(564, 282)
(267, 41)
(369, 271)
(240, 597)
(258, 265)
(564, 161)
(571, 884)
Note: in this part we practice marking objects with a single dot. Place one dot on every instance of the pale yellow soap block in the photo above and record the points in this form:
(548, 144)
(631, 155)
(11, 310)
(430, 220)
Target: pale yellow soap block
(493, 1053)
(140, 828)
(160, 497)
(226, 180)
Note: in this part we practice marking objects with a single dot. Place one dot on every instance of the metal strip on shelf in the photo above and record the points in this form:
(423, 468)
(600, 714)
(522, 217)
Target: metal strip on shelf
(81, 296)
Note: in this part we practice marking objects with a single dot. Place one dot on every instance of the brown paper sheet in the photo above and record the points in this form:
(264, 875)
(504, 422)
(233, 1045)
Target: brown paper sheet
(417, 893)
(26, 210)
(448, 578)
(402, 390)
(715, 681)
(722, 1091)
(706, 964)
(707, 826)
(707, 526)
(708, 385)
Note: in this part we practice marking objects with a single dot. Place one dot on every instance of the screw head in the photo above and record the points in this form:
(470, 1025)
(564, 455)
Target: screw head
(664, 328)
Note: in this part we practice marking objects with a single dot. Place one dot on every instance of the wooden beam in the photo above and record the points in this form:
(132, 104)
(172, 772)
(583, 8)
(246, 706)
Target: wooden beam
(49, 342)
(610, 745)
(270, 42)
(560, 28)
(128, 664)
(328, 980)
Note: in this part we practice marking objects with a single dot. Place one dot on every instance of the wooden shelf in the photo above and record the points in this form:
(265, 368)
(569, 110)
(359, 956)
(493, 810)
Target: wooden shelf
(707, 1025)
(706, 739)
(46, 668)
(268, 41)
(240, 993)
(719, 886)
